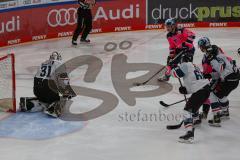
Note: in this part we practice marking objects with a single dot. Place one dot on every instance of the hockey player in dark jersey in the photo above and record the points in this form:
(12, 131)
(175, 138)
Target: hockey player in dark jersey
(48, 86)
(207, 69)
(224, 79)
(197, 86)
(84, 21)
(180, 40)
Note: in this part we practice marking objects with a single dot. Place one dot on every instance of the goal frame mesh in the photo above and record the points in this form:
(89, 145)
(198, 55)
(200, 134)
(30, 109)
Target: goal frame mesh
(12, 100)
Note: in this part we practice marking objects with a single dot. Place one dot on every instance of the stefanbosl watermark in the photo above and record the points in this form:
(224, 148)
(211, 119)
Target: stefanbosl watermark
(141, 116)
(119, 70)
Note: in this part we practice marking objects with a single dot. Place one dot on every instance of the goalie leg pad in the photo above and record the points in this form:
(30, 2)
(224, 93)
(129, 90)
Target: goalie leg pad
(55, 109)
(31, 104)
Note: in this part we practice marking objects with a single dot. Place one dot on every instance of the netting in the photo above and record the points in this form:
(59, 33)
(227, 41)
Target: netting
(7, 84)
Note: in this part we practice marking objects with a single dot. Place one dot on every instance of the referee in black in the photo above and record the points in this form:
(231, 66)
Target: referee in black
(84, 21)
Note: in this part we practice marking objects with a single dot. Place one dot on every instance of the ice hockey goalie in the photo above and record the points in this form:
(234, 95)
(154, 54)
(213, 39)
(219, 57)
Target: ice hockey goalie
(52, 89)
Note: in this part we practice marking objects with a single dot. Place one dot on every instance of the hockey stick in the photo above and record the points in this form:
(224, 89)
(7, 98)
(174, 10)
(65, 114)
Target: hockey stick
(180, 124)
(145, 82)
(168, 105)
(170, 127)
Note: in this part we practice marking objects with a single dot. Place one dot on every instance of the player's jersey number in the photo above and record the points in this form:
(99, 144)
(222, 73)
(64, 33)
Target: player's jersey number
(198, 73)
(45, 71)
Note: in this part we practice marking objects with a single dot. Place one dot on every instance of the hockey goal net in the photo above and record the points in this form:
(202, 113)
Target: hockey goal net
(7, 84)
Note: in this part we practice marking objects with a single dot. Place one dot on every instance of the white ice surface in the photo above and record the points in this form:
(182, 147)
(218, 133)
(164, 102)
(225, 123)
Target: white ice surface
(109, 137)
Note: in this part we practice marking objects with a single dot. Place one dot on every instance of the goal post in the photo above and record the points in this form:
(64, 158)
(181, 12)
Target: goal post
(7, 83)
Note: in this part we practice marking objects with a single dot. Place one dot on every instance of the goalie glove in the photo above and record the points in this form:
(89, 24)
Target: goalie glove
(64, 86)
(69, 95)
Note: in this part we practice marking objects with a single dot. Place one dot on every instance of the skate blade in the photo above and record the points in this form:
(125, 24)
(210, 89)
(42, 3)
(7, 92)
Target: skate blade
(54, 115)
(189, 141)
(214, 125)
(86, 43)
(225, 118)
(74, 46)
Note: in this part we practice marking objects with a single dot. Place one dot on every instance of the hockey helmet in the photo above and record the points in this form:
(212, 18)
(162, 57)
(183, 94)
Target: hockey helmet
(170, 22)
(204, 44)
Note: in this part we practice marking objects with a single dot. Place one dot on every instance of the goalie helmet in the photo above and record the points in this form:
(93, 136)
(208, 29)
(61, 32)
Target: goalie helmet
(55, 56)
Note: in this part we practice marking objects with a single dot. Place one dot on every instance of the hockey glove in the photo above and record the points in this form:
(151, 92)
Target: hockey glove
(182, 90)
(214, 84)
(170, 59)
(207, 76)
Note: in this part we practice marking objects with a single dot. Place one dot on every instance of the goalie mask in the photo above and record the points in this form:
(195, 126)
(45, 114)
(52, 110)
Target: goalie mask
(55, 56)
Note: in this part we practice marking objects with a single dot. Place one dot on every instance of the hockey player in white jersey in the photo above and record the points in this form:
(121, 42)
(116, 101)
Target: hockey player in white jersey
(48, 86)
(225, 77)
(197, 86)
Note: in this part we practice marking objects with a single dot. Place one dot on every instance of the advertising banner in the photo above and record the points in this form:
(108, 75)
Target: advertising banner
(193, 11)
(60, 20)
(8, 4)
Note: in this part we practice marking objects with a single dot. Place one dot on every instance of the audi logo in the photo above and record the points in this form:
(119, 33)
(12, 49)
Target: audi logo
(62, 17)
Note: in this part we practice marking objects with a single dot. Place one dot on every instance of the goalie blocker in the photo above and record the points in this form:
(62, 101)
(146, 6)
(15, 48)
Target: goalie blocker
(48, 86)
